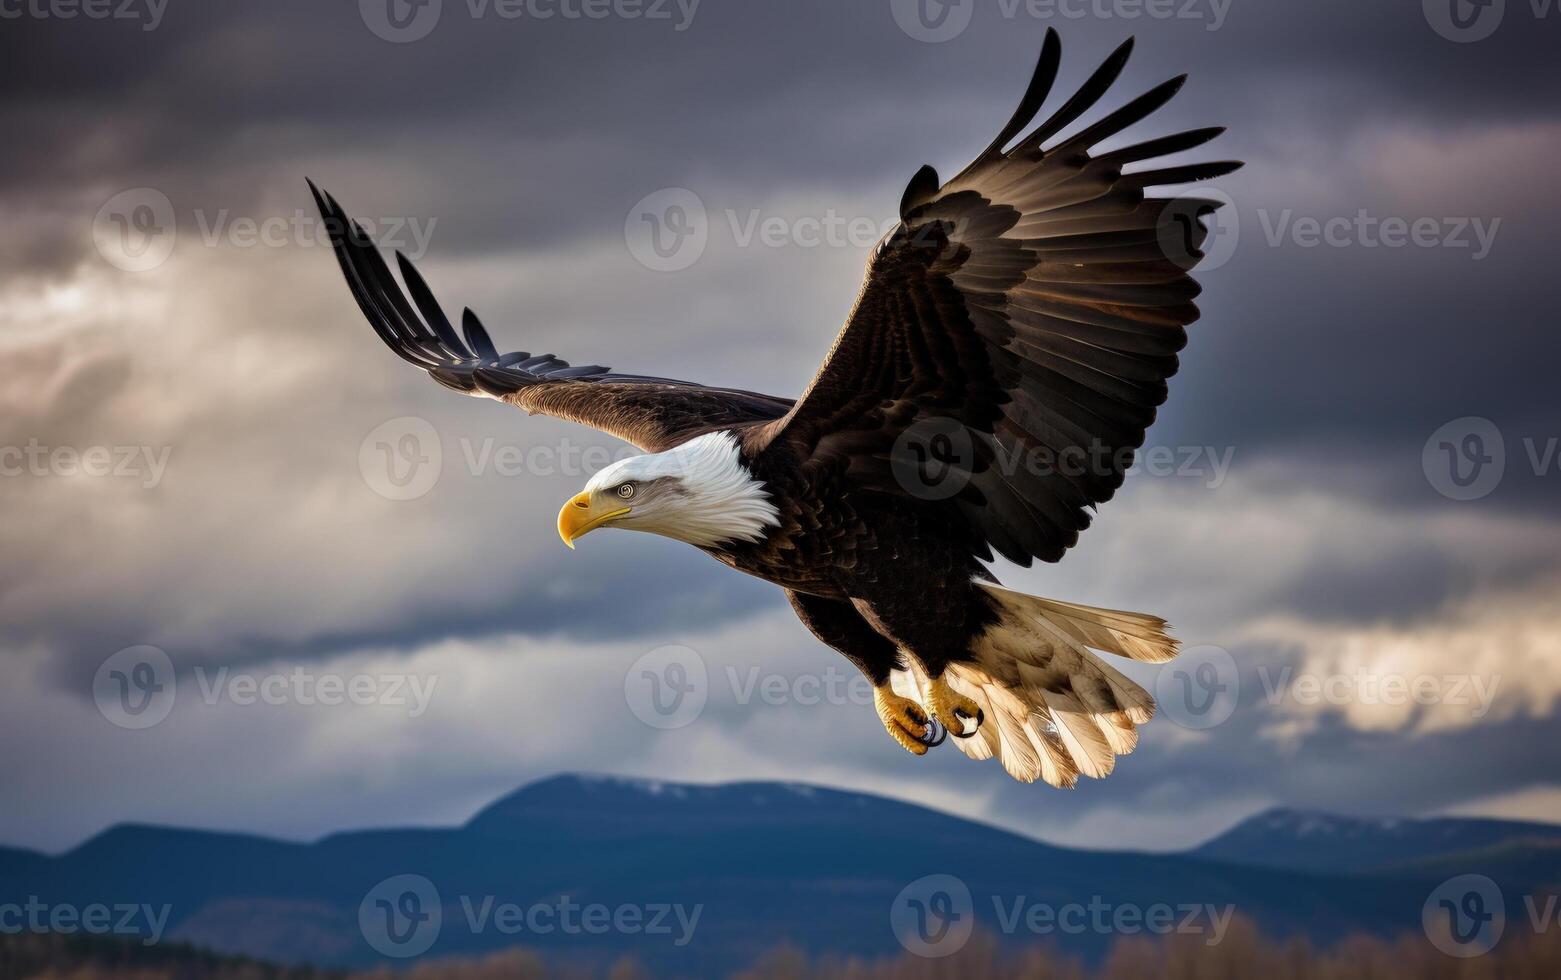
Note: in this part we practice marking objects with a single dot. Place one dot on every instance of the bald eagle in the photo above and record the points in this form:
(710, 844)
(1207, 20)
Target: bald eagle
(1006, 353)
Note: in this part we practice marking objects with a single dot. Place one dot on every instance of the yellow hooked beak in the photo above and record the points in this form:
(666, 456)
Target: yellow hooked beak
(581, 516)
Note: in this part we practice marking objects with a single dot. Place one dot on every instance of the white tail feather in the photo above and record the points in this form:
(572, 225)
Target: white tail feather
(1054, 710)
(1137, 636)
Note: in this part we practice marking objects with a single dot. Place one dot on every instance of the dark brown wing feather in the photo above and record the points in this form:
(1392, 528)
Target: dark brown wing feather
(652, 413)
(1030, 304)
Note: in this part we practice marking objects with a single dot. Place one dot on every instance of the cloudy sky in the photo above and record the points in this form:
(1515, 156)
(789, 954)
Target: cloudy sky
(359, 610)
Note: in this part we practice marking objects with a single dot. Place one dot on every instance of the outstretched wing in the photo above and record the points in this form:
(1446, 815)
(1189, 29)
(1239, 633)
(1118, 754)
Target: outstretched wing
(652, 413)
(1031, 308)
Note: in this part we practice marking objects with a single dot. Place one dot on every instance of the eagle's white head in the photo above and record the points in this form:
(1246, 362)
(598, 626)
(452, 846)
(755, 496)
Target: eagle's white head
(698, 492)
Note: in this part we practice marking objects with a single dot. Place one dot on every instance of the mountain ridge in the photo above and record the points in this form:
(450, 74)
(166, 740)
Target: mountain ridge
(1297, 839)
(764, 862)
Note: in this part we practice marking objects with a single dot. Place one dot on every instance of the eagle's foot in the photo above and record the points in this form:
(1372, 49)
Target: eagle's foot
(906, 722)
(953, 709)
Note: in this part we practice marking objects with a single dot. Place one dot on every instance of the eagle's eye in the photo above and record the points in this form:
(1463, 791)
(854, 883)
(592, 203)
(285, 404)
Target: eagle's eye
(626, 490)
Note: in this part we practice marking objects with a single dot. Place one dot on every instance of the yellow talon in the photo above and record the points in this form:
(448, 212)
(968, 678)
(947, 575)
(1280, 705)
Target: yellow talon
(952, 708)
(904, 719)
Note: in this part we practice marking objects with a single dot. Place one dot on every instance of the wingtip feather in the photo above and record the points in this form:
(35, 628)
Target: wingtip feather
(922, 188)
(476, 336)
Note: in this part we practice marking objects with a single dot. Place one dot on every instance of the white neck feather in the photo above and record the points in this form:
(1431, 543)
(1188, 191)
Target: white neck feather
(727, 503)
(720, 501)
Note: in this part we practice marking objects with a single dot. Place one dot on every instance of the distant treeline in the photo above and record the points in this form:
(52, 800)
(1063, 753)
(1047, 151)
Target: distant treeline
(1242, 955)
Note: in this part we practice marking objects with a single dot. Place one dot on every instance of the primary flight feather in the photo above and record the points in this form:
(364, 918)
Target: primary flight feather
(1009, 347)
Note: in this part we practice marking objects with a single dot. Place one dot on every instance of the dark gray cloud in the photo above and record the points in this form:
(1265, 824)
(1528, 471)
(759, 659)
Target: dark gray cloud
(532, 134)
